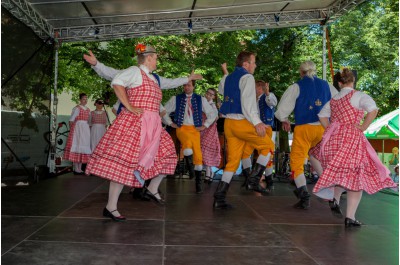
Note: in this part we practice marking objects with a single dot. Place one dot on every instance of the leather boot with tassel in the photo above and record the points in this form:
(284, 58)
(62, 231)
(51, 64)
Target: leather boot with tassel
(190, 166)
(253, 182)
(198, 182)
(220, 195)
(302, 194)
(246, 173)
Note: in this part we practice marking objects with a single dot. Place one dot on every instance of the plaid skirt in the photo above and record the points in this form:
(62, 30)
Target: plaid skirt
(210, 146)
(116, 156)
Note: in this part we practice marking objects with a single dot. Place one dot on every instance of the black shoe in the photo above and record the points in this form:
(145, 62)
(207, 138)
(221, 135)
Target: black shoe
(79, 173)
(190, 166)
(208, 180)
(150, 196)
(220, 205)
(351, 223)
(269, 183)
(304, 197)
(137, 194)
(246, 173)
(253, 181)
(335, 208)
(220, 195)
(107, 213)
(199, 188)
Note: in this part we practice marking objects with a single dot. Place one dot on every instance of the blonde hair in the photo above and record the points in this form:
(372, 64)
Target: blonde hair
(308, 68)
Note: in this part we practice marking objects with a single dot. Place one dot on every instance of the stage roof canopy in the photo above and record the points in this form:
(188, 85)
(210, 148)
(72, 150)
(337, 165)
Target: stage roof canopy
(96, 20)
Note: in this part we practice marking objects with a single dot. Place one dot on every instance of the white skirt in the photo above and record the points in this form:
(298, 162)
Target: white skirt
(96, 133)
(81, 138)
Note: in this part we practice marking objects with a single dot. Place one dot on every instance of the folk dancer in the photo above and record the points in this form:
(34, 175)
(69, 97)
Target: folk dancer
(77, 149)
(189, 108)
(306, 98)
(242, 125)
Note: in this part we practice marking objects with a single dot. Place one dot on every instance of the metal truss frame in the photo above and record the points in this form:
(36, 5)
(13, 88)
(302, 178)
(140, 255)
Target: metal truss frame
(23, 11)
(101, 32)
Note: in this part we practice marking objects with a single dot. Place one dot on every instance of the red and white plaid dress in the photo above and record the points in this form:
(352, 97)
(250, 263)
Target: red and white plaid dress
(116, 156)
(345, 159)
(79, 136)
(210, 146)
(98, 121)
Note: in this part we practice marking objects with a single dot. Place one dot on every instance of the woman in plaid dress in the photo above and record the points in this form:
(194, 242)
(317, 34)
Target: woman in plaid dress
(98, 123)
(209, 141)
(348, 160)
(77, 149)
(136, 147)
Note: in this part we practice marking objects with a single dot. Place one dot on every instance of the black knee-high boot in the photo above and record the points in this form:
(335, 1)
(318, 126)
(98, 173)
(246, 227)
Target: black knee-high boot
(253, 182)
(190, 166)
(198, 182)
(246, 173)
(220, 195)
(302, 194)
(269, 182)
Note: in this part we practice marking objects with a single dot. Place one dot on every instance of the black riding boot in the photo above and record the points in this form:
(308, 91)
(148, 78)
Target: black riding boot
(246, 173)
(198, 182)
(269, 182)
(302, 194)
(220, 195)
(190, 166)
(253, 182)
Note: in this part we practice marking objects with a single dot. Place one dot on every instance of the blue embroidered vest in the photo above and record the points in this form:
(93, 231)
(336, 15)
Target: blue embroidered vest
(180, 109)
(266, 112)
(122, 105)
(231, 102)
(314, 93)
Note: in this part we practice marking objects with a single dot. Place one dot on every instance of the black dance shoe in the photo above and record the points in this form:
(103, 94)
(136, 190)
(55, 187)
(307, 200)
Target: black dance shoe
(107, 213)
(150, 196)
(335, 208)
(351, 223)
(79, 173)
(208, 180)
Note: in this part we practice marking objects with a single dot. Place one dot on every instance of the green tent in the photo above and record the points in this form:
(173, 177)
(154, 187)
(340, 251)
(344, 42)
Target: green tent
(385, 127)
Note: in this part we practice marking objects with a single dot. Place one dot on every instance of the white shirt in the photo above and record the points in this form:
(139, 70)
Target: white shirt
(359, 100)
(214, 107)
(247, 86)
(109, 73)
(270, 100)
(188, 120)
(288, 102)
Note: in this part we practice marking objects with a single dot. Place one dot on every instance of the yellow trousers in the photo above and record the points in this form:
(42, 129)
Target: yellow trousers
(190, 139)
(305, 137)
(248, 149)
(238, 133)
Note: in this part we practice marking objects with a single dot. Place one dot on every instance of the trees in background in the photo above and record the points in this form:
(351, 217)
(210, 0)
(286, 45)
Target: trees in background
(365, 39)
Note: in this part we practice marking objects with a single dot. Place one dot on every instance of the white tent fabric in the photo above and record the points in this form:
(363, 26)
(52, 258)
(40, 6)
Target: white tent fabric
(380, 128)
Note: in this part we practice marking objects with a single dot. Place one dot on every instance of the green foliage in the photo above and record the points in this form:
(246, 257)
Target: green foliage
(27, 71)
(365, 39)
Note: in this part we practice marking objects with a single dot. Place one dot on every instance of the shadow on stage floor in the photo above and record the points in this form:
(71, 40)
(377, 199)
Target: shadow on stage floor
(59, 221)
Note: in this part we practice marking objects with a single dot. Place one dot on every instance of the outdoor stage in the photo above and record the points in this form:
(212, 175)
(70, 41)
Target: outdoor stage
(59, 221)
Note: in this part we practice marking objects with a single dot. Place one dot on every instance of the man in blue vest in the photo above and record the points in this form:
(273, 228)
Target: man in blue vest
(189, 108)
(306, 98)
(242, 126)
(266, 103)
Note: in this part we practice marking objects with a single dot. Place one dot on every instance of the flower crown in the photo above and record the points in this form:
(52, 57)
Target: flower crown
(140, 48)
